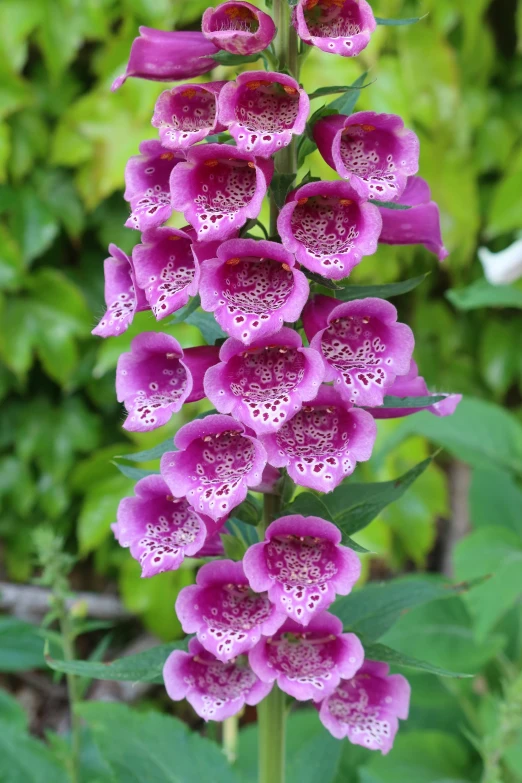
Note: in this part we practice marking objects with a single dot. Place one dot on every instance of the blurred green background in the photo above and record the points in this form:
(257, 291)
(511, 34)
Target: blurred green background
(456, 78)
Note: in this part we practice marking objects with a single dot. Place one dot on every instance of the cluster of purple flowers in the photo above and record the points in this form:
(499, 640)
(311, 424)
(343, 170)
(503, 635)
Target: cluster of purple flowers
(300, 399)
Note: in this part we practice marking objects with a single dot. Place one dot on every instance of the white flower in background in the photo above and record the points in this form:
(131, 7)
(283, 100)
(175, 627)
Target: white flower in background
(504, 267)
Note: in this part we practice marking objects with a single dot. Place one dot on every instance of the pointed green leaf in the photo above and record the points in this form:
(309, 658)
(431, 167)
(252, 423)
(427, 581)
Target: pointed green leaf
(399, 22)
(380, 652)
(385, 291)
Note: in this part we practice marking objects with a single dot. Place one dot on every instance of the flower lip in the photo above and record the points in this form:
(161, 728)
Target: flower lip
(263, 110)
(123, 296)
(147, 185)
(335, 26)
(330, 227)
(373, 150)
(187, 114)
(266, 383)
(219, 188)
(238, 27)
(253, 287)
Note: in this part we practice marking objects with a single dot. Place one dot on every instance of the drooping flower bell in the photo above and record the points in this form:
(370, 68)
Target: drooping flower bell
(308, 663)
(413, 385)
(165, 56)
(302, 565)
(219, 188)
(238, 27)
(263, 111)
(419, 225)
(160, 530)
(216, 464)
(166, 269)
(123, 297)
(216, 690)
(367, 707)
(336, 26)
(252, 287)
(372, 150)
(363, 346)
(264, 385)
(187, 114)
(147, 185)
(330, 227)
(224, 612)
(322, 444)
(156, 377)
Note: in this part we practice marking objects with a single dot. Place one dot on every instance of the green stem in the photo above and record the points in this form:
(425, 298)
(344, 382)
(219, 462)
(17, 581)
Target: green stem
(271, 716)
(230, 737)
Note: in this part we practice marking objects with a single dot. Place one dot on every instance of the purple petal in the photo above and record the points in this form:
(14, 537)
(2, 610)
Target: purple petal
(187, 114)
(147, 185)
(123, 297)
(238, 27)
(337, 28)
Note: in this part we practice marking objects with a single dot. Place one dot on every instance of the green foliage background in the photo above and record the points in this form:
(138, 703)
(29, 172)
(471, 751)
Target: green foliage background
(456, 78)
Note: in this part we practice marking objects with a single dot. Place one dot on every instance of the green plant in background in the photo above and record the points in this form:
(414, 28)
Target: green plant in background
(64, 141)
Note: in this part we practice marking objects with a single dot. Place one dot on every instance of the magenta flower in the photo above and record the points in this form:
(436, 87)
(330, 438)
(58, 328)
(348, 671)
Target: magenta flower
(367, 707)
(147, 185)
(168, 56)
(123, 297)
(308, 663)
(238, 27)
(263, 111)
(187, 114)
(216, 690)
(166, 269)
(252, 287)
(159, 530)
(363, 346)
(219, 188)
(227, 616)
(216, 464)
(336, 26)
(372, 150)
(156, 377)
(330, 227)
(322, 443)
(265, 384)
(302, 566)
(213, 546)
(417, 226)
(413, 385)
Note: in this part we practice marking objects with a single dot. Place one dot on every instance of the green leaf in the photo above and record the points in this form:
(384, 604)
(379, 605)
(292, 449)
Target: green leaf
(483, 294)
(145, 666)
(249, 511)
(149, 454)
(320, 280)
(376, 607)
(99, 511)
(33, 223)
(353, 506)
(226, 58)
(385, 291)
(280, 187)
(207, 325)
(399, 22)
(133, 473)
(182, 314)
(11, 711)
(412, 402)
(24, 759)
(234, 547)
(380, 652)
(495, 499)
(499, 355)
(322, 91)
(21, 646)
(148, 746)
(390, 205)
(346, 103)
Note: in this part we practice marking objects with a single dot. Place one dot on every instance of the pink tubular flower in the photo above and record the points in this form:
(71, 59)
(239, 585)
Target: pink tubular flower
(238, 27)
(187, 114)
(372, 150)
(168, 56)
(367, 707)
(363, 346)
(265, 384)
(219, 188)
(216, 464)
(322, 443)
(336, 26)
(263, 111)
(413, 385)
(156, 377)
(147, 185)
(227, 616)
(417, 226)
(308, 663)
(159, 529)
(123, 297)
(252, 287)
(302, 566)
(216, 690)
(166, 269)
(330, 227)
